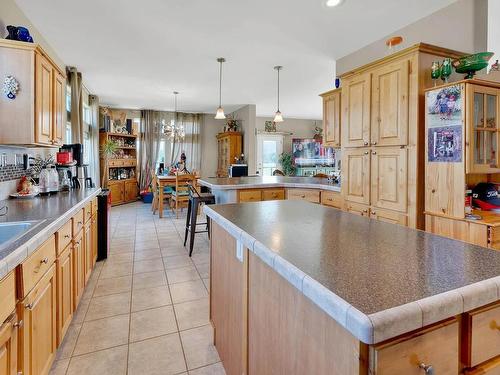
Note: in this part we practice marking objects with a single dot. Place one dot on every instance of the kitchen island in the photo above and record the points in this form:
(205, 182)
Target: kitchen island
(238, 189)
(298, 288)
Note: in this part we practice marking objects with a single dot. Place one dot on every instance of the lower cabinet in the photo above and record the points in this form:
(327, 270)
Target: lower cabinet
(131, 191)
(273, 194)
(64, 265)
(38, 334)
(249, 195)
(93, 228)
(8, 346)
(309, 195)
(332, 199)
(388, 216)
(88, 243)
(357, 209)
(123, 191)
(78, 269)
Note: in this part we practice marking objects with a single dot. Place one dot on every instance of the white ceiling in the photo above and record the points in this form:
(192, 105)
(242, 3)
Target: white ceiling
(133, 54)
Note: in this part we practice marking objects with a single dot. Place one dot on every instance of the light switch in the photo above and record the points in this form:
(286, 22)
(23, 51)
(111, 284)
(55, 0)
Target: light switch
(239, 251)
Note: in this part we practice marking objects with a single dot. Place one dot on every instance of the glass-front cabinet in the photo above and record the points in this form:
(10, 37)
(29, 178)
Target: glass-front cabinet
(483, 129)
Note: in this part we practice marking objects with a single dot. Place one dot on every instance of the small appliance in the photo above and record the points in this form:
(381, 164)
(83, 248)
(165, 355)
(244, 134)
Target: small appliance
(238, 170)
(103, 218)
(76, 150)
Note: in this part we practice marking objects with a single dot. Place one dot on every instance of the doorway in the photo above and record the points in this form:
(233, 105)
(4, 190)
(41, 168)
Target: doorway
(269, 149)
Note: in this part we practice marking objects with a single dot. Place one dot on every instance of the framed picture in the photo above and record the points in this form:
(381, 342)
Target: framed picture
(270, 126)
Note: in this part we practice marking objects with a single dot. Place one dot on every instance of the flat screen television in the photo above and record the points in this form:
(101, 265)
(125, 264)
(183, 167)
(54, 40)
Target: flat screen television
(309, 152)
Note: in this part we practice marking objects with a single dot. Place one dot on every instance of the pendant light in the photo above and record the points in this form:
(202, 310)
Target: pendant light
(278, 117)
(220, 111)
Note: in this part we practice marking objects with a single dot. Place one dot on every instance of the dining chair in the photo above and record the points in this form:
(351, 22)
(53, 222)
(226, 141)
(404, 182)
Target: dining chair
(180, 196)
(320, 175)
(159, 199)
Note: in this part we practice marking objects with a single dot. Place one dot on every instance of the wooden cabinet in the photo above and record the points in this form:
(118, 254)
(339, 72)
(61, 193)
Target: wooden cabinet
(94, 229)
(8, 346)
(38, 334)
(64, 269)
(436, 346)
(356, 175)
(78, 269)
(331, 118)
(39, 109)
(332, 199)
(273, 194)
(389, 111)
(88, 243)
(7, 295)
(388, 216)
(33, 268)
(249, 195)
(116, 189)
(389, 187)
(356, 111)
(357, 209)
(131, 190)
(303, 195)
(229, 147)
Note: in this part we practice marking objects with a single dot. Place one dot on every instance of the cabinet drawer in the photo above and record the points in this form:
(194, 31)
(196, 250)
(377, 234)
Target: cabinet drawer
(303, 194)
(357, 209)
(88, 211)
(388, 216)
(331, 198)
(78, 222)
(129, 163)
(7, 296)
(63, 236)
(249, 195)
(488, 368)
(436, 346)
(94, 206)
(483, 331)
(273, 194)
(33, 268)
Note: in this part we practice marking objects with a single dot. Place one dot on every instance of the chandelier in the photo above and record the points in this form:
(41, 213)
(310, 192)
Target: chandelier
(173, 131)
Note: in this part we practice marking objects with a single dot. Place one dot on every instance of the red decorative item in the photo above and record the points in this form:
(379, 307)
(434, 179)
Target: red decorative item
(64, 157)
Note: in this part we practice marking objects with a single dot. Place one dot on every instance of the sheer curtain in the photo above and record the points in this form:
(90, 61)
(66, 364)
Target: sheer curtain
(75, 82)
(150, 145)
(191, 145)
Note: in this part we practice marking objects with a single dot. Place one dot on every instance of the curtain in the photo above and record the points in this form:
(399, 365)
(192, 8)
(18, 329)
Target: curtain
(75, 83)
(191, 145)
(94, 139)
(150, 145)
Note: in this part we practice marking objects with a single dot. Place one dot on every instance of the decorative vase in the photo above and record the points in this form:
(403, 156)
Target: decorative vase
(446, 69)
(435, 71)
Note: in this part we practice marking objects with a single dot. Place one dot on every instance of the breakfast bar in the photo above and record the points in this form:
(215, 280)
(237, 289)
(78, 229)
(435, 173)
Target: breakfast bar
(306, 289)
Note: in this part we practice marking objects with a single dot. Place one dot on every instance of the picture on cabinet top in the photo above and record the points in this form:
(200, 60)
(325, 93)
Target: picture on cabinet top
(444, 124)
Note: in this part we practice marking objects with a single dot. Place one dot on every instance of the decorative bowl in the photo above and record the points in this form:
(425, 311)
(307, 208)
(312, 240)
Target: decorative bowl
(470, 64)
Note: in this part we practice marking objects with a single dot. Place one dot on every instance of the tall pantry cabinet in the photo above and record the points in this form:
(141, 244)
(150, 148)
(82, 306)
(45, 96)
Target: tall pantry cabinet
(382, 130)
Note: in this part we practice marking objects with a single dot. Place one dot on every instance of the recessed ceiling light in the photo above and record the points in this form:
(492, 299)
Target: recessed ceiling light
(333, 3)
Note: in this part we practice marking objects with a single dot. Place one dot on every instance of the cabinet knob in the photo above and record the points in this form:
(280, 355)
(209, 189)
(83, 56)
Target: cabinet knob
(365, 210)
(366, 143)
(374, 143)
(428, 369)
(80, 223)
(366, 152)
(374, 152)
(374, 213)
(67, 236)
(29, 306)
(18, 324)
(45, 260)
(302, 196)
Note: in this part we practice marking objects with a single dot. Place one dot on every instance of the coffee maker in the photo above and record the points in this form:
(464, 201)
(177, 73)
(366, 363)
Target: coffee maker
(77, 171)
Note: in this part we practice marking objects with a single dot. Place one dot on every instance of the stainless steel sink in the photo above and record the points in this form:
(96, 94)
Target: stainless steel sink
(11, 231)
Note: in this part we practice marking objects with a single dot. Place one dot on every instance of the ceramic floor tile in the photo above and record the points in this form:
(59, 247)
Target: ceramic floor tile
(150, 265)
(127, 248)
(173, 250)
(110, 305)
(120, 257)
(116, 270)
(198, 347)
(158, 356)
(68, 345)
(179, 275)
(204, 270)
(147, 245)
(192, 314)
(207, 284)
(147, 254)
(149, 280)
(188, 291)
(215, 369)
(111, 361)
(59, 367)
(102, 334)
(200, 258)
(80, 312)
(152, 323)
(112, 286)
(177, 261)
(143, 299)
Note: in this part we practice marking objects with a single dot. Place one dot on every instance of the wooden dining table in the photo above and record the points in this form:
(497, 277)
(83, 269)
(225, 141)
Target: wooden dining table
(164, 181)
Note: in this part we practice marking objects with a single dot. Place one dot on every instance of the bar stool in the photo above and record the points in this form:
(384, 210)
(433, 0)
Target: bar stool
(195, 199)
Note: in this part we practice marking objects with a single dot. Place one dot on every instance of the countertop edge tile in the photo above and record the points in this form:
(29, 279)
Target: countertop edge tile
(247, 240)
(320, 184)
(3, 269)
(480, 293)
(264, 254)
(396, 321)
(16, 257)
(329, 302)
(289, 272)
(441, 306)
(360, 325)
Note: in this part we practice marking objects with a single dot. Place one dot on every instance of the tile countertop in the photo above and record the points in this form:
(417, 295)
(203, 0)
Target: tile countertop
(377, 280)
(231, 183)
(54, 211)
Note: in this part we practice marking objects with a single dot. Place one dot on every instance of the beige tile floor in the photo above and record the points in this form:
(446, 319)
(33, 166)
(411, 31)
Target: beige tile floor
(145, 309)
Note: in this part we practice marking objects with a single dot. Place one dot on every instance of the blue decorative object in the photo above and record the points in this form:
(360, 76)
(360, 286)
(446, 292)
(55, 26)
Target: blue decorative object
(10, 87)
(19, 33)
(337, 82)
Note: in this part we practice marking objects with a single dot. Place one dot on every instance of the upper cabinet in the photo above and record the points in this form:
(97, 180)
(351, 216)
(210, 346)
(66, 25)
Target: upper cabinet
(356, 111)
(36, 116)
(331, 118)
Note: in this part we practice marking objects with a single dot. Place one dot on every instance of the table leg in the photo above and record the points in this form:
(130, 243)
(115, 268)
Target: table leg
(160, 203)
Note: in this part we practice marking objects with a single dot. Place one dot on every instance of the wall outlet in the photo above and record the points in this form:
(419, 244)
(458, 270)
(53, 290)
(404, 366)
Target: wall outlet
(239, 251)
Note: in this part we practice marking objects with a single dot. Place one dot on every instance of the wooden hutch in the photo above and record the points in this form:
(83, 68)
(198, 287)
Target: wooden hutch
(122, 169)
(228, 148)
(377, 119)
(474, 130)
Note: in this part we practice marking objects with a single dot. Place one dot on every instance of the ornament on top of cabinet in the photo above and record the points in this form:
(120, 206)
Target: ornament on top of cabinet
(10, 87)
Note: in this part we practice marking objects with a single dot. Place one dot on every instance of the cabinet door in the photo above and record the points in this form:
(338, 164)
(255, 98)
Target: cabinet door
(87, 250)
(94, 238)
(78, 270)
(38, 333)
(356, 111)
(64, 292)
(389, 178)
(130, 191)
(59, 109)
(483, 129)
(116, 191)
(331, 119)
(389, 124)
(356, 175)
(8, 346)
(43, 101)
(357, 209)
(387, 216)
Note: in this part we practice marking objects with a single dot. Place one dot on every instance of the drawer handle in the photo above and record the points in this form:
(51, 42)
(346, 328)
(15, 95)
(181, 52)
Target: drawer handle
(45, 260)
(428, 369)
(302, 196)
(18, 324)
(365, 143)
(80, 223)
(29, 306)
(67, 236)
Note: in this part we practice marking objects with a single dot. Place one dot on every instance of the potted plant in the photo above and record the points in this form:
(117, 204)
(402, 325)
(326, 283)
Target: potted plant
(108, 149)
(286, 161)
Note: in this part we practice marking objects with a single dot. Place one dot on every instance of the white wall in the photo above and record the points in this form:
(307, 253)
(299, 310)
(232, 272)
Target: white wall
(209, 130)
(10, 14)
(461, 26)
(494, 28)
(247, 116)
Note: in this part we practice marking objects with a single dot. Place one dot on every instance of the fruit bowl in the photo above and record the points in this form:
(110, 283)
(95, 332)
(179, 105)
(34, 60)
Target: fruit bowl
(470, 64)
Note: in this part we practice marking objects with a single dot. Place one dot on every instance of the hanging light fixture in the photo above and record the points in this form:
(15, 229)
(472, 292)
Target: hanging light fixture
(220, 111)
(174, 131)
(278, 117)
